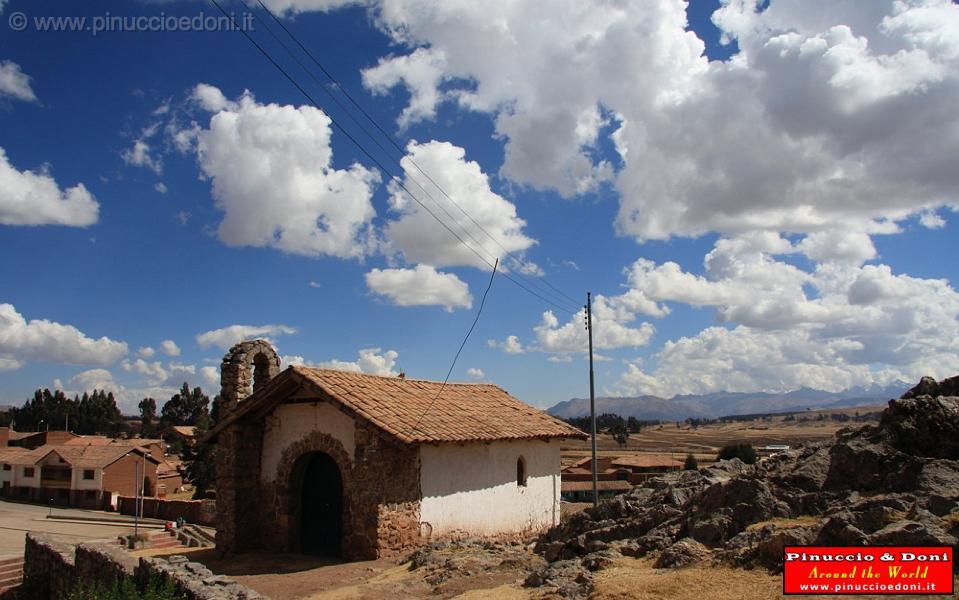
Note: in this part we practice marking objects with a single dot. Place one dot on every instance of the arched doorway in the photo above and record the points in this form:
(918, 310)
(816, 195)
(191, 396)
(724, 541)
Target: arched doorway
(319, 511)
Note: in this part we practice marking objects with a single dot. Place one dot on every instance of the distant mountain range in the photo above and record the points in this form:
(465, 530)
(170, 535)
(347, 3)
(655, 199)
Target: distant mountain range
(721, 404)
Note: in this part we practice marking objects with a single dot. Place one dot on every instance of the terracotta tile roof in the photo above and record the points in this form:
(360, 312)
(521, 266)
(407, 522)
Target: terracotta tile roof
(94, 456)
(89, 457)
(184, 430)
(411, 410)
(601, 486)
(88, 440)
(30, 457)
(9, 453)
(648, 461)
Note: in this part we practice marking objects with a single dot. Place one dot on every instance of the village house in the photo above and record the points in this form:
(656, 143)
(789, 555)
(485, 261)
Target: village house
(361, 466)
(72, 475)
(615, 474)
(33, 439)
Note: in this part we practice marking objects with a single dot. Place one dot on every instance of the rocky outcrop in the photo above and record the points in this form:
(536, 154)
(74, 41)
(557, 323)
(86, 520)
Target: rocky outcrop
(892, 483)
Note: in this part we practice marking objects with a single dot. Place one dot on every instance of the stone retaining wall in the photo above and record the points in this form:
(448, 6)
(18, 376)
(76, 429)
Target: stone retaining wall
(194, 511)
(51, 569)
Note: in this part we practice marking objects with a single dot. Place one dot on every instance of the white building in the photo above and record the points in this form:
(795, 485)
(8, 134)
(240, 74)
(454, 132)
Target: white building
(334, 462)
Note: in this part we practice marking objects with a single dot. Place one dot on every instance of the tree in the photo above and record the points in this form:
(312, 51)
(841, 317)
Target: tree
(200, 459)
(148, 417)
(743, 452)
(620, 433)
(95, 413)
(185, 408)
(633, 425)
(98, 414)
(690, 464)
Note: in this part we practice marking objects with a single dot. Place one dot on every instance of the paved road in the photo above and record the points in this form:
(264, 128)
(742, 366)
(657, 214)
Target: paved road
(17, 519)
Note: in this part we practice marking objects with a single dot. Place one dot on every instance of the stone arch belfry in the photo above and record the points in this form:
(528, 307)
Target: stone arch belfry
(245, 368)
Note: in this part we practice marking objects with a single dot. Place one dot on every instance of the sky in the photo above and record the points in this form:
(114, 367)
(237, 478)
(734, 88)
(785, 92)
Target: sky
(760, 195)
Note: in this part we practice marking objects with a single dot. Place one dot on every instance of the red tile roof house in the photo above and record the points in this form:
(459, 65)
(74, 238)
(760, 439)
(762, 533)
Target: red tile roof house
(361, 466)
(82, 476)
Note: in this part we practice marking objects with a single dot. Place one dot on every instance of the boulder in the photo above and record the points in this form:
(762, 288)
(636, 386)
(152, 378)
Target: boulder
(684, 553)
(928, 386)
(912, 533)
(924, 425)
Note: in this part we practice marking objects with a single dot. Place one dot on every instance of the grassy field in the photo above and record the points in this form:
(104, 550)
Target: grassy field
(705, 441)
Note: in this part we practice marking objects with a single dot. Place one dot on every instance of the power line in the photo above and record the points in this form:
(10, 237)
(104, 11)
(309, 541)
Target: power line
(349, 114)
(374, 160)
(453, 364)
(392, 140)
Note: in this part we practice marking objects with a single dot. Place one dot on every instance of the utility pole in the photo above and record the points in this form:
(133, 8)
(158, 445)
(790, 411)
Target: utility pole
(592, 397)
(136, 501)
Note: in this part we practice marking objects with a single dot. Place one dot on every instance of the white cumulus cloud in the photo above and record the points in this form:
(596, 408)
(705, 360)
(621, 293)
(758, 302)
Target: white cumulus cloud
(169, 348)
(34, 198)
(831, 116)
(14, 83)
(420, 286)
(226, 337)
(371, 360)
(40, 339)
(272, 176)
(471, 208)
(510, 345)
(836, 325)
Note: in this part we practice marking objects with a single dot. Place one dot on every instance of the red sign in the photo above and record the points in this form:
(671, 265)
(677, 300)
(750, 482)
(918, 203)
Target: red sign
(867, 570)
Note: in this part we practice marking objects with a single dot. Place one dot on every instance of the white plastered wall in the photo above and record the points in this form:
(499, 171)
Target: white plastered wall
(79, 483)
(289, 423)
(472, 488)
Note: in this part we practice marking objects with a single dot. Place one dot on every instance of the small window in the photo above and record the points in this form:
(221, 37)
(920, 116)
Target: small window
(521, 471)
(88, 474)
(28, 471)
(6, 467)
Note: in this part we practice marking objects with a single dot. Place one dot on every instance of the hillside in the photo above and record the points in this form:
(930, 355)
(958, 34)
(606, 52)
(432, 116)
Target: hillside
(720, 404)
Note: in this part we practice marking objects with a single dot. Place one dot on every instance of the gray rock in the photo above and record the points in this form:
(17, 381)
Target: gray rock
(924, 425)
(684, 553)
(912, 533)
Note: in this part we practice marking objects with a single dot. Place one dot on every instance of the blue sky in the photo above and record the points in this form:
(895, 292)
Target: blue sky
(759, 197)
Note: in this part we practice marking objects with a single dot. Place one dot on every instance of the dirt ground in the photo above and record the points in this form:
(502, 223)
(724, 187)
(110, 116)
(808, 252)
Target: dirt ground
(290, 577)
(296, 577)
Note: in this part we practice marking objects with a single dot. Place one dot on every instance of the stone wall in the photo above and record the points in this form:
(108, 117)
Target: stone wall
(386, 495)
(239, 510)
(193, 580)
(194, 511)
(51, 569)
(246, 367)
(105, 563)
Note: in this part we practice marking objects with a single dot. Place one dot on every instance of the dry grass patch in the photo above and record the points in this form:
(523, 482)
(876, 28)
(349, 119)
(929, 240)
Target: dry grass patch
(800, 521)
(632, 579)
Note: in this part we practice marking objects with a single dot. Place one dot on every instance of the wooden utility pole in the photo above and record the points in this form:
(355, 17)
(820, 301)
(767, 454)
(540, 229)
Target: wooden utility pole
(592, 397)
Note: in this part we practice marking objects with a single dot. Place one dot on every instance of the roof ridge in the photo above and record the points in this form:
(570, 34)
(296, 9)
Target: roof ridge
(395, 377)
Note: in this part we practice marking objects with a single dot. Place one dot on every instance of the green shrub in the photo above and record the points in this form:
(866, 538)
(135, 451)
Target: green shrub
(691, 464)
(743, 452)
(125, 589)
